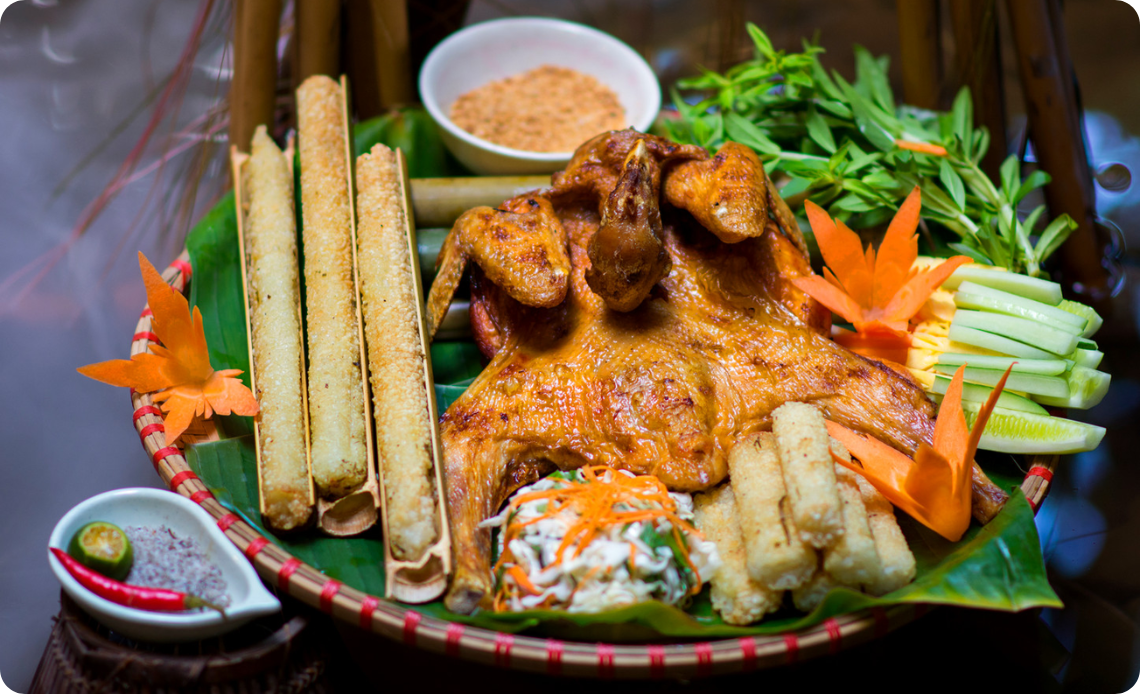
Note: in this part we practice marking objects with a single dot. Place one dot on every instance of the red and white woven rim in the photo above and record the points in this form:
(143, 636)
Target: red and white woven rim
(552, 656)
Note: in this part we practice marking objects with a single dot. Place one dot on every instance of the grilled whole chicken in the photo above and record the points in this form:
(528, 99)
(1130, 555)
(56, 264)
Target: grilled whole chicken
(664, 385)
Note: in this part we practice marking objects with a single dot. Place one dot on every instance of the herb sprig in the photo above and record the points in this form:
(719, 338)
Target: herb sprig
(850, 149)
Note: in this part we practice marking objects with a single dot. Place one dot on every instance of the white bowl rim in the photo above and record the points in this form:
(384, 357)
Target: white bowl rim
(260, 602)
(444, 122)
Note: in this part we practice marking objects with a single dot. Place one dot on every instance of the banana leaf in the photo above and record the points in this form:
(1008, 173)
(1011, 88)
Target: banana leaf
(998, 566)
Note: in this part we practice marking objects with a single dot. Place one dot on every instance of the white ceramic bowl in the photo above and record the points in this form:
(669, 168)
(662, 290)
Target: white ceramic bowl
(489, 51)
(155, 507)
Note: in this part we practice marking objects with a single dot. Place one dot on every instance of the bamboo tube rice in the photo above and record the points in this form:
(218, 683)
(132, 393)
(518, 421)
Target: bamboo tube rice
(336, 396)
(396, 358)
(271, 242)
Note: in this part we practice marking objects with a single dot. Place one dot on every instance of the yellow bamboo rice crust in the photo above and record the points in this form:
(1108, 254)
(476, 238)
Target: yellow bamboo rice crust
(396, 358)
(271, 241)
(336, 397)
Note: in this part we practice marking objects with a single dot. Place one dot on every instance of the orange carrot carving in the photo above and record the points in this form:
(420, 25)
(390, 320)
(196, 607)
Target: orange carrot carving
(934, 488)
(877, 293)
(178, 371)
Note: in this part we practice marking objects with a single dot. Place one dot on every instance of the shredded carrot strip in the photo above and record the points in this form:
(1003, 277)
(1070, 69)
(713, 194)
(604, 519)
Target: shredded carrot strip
(923, 147)
(524, 582)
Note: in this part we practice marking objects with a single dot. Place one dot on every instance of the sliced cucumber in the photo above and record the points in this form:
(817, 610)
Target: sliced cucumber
(1094, 321)
(1022, 285)
(1089, 358)
(1044, 367)
(1034, 384)
(1085, 343)
(996, 343)
(1009, 431)
(972, 392)
(1087, 387)
(1029, 332)
(992, 299)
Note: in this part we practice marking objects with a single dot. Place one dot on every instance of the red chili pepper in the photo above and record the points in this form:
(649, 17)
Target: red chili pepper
(154, 599)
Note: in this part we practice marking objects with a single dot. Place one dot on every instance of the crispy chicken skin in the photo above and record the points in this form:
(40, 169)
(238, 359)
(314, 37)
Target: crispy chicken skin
(665, 388)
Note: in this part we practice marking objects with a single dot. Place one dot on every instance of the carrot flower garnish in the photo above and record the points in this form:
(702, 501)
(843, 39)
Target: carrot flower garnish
(935, 487)
(178, 371)
(876, 293)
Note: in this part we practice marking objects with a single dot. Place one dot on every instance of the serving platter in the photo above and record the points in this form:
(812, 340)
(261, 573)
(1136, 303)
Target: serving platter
(686, 659)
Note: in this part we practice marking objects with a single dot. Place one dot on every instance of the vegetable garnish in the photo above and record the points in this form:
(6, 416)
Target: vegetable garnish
(923, 147)
(153, 599)
(178, 371)
(935, 487)
(595, 539)
(876, 294)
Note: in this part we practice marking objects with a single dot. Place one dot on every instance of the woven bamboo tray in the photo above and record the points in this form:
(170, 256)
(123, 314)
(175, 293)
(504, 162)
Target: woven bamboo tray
(680, 660)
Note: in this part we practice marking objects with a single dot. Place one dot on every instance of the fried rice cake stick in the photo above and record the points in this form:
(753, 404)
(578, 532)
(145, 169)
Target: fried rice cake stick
(852, 560)
(735, 595)
(777, 557)
(396, 361)
(810, 594)
(271, 241)
(336, 394)
(809, 472)
(897, 562)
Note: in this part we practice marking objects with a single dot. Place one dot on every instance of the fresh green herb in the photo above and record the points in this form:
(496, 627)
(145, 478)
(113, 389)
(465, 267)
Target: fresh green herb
(850, 149)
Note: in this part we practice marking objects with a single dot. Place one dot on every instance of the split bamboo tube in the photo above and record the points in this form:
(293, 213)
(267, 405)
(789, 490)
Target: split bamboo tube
(920, 46)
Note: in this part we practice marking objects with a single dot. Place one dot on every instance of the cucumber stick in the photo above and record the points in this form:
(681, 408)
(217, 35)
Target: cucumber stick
(996, 343)
(972, 392)
(1022, 330)
(1010, 431)
(1089, 358)
(1052, 386)
(990, 299)
(1092, 318)
(1044, 367)
(1087, 387)
(1022, 285)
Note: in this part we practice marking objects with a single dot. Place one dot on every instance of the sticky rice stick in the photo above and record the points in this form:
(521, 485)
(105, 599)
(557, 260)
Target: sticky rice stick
(336, 396)
(777, 557)
(897, 561)
(396, 361)
(271, 242)
(810, 594)
(738, 598)
(852, 560)
(809, 472)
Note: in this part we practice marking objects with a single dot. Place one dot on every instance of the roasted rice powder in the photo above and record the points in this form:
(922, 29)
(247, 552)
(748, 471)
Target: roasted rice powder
(547, 109)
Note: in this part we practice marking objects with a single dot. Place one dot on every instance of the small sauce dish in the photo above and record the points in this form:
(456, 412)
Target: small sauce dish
(249, 599)
(493, 50)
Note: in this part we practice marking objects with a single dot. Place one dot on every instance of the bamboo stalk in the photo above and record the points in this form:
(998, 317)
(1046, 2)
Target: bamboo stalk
(316, 37)
(978, 60)
(254, 85)
(920, 46)
(359, 61)
(1058, 144)
(390, 45)
(438, 202)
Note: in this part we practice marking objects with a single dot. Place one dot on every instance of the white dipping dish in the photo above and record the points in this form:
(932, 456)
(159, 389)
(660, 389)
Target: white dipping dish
(493, 50)
(153, 508)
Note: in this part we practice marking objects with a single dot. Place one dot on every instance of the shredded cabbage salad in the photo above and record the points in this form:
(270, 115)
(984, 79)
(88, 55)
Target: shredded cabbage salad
(595, 539)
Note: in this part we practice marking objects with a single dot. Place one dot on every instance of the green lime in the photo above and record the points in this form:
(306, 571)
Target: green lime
(103, 547)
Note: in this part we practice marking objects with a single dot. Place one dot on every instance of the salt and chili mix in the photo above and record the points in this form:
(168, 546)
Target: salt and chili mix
(547, 109)
(164, 560)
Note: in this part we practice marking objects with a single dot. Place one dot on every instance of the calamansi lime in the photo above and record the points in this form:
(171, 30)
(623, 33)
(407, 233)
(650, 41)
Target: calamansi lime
(103, 547)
